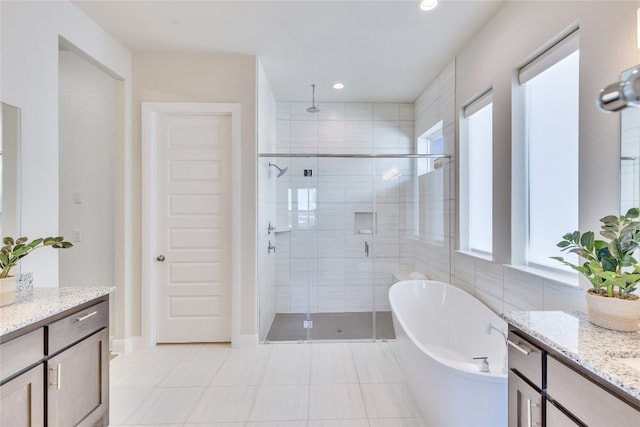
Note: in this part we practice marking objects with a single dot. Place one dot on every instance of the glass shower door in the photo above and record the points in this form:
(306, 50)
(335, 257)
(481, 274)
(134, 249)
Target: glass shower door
(343, 298)
(303, 217)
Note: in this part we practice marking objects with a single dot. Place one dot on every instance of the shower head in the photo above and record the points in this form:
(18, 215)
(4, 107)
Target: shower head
(281, 171)
(313, 108)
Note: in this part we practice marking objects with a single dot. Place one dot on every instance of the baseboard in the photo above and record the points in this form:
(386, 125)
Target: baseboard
(245, 341)
(127, 345)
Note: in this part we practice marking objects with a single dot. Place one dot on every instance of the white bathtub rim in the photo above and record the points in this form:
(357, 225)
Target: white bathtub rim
(457, 368)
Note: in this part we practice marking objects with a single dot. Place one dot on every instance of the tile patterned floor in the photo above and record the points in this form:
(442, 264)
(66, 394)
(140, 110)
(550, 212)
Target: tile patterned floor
(290, 385)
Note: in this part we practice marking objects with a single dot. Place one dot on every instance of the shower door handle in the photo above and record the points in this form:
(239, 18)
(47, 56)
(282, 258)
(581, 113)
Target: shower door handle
(366, 248)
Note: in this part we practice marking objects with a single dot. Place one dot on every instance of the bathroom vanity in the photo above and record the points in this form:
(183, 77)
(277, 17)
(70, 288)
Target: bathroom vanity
(564, 371)
(54, 358)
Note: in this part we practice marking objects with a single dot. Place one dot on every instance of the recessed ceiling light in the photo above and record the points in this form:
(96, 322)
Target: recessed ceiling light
(426, 5)
(338, 86)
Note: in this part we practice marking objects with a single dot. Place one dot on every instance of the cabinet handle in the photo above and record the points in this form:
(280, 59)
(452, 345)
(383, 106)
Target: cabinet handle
(58, 370)
(519, 347)
(59, 376)
(531, 405)
(80, 319)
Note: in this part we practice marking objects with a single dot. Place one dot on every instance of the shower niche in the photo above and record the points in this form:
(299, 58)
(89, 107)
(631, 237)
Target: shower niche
(364, 223)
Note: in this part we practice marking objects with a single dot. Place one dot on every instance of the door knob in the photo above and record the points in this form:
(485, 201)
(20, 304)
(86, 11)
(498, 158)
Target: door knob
(160, 258)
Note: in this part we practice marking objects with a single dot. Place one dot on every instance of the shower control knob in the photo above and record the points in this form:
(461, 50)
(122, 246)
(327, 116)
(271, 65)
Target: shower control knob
(160, 258)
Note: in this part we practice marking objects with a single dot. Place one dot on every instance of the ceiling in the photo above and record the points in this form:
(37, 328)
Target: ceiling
(383, 51)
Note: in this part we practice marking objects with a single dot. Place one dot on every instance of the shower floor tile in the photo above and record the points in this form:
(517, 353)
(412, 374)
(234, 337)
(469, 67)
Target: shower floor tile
(331, 326)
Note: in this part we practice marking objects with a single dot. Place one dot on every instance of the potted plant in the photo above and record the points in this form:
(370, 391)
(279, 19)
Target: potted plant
(611, 268)
(12, 252)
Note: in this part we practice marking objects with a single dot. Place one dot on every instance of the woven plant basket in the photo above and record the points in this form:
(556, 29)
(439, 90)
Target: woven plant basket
(613, 313)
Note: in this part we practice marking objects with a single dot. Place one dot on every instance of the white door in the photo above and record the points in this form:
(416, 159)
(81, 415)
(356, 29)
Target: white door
(193, 191)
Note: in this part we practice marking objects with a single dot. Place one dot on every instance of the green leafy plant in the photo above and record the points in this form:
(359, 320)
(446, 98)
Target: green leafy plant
(609, 264)
(14, 250)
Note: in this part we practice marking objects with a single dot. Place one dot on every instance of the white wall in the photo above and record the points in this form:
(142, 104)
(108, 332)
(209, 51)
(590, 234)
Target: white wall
(29, 80)
(87, 165)
(607, 47)
(201, 77)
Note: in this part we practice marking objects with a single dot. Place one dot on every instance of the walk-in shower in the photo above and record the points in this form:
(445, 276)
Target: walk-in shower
(345, 225)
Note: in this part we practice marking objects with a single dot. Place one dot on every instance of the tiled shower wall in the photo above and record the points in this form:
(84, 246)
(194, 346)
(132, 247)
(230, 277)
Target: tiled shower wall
(431, 253)
(320, 261)
(266, 204)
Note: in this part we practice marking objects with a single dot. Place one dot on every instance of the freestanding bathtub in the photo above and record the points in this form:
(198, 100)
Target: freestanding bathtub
(439, 330)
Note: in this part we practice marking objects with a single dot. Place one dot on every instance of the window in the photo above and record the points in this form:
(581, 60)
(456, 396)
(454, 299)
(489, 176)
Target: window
(430, 213)
(430, 142)
(550, 101)
(476, 153)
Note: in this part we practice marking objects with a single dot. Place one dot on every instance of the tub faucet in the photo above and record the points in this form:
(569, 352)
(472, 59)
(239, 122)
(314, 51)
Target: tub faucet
(485, 363)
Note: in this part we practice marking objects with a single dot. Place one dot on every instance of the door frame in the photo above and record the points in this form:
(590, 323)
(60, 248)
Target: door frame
(150, 113)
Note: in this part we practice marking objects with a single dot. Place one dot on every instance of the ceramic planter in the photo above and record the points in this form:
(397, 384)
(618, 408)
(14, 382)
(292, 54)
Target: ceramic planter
(7, 290)
(613, 313)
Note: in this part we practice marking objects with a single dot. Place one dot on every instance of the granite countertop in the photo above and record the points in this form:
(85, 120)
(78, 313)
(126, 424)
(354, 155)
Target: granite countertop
(600, 351)
(37, 304)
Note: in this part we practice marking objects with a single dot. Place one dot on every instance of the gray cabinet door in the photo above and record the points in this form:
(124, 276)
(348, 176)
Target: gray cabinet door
(22, 399)
(78, 383)
(585, 399)
(525, 403)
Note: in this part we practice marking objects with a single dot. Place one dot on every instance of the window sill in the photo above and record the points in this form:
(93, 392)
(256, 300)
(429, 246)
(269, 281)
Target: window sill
(565, 278)
(478, 255)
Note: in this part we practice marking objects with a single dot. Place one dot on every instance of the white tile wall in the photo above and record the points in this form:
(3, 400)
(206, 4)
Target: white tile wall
(504, 288)
(267, 208)
(359, 111)
(558, 296)
(359, 135)
(336, 111)
(490, 278)
(523, 290)
(340, 275)
(433, 249)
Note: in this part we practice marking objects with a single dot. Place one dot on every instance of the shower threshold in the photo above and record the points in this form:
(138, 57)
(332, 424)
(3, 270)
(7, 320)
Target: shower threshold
(331, 326)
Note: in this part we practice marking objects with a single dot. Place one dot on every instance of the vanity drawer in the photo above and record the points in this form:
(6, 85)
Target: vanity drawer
(586, 399)
(21, 352)
(76, 326)
(526, 359)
